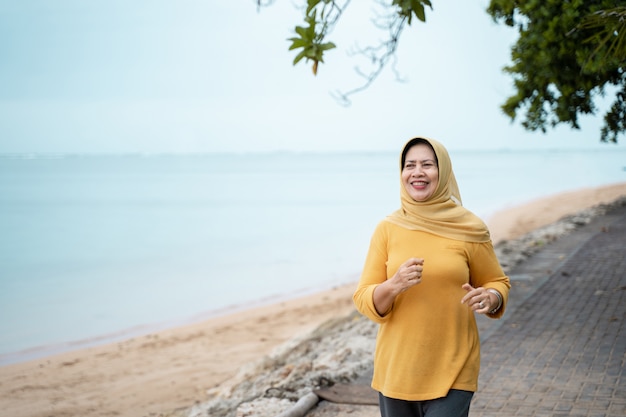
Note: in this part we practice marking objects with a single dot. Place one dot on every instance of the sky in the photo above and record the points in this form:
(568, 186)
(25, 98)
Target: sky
(157, 76)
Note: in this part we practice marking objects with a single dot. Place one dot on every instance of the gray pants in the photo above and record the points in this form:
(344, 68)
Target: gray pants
(455, 404)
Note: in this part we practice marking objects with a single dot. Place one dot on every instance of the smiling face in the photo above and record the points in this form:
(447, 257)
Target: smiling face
(420, 173)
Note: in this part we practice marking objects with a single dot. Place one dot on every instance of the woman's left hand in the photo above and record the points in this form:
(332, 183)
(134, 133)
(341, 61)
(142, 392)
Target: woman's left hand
(478, 299)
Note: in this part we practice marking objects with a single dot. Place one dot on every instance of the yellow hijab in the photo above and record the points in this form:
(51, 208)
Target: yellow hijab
(442, 214)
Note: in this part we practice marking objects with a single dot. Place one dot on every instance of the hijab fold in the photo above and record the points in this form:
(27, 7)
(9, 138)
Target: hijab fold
(442, 214)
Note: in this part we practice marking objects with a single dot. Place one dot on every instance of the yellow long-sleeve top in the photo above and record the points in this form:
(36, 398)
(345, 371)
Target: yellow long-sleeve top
(428, 342)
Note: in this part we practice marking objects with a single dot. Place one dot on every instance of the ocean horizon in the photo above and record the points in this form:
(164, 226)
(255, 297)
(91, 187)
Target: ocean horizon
(98, 248)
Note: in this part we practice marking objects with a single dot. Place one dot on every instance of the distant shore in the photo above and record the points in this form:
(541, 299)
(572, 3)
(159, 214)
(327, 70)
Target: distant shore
(178, 367)
(513, 222)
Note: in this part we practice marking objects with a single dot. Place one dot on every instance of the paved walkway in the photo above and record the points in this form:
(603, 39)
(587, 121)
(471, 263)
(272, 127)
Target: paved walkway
(561, 348)
(562, 351)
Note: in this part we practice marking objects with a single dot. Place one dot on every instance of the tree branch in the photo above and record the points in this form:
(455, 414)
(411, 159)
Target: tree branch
(395, 23)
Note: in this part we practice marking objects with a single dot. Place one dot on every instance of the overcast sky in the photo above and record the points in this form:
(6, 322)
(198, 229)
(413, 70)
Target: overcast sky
(211, 75)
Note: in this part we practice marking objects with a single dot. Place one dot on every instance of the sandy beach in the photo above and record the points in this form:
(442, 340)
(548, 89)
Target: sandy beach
(176, 368)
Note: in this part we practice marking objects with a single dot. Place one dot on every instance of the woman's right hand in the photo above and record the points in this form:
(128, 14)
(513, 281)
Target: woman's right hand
(408, 275)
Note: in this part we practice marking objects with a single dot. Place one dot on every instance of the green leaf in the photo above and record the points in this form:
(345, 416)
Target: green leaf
(298, 43)
(418, 9)
(311, 4)
(299, 57)
(303, 32)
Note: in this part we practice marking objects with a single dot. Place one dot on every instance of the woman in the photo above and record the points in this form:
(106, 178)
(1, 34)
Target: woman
(430, 267)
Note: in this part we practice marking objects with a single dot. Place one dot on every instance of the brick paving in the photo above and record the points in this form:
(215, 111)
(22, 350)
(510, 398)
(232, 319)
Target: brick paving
(562, 351)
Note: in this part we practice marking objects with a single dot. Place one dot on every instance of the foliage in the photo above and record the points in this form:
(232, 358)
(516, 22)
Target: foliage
(609, 32)
(311, 38)
(320, 18)
(567, 54)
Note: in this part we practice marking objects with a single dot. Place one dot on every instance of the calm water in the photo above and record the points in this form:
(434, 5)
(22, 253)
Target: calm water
(97, 246)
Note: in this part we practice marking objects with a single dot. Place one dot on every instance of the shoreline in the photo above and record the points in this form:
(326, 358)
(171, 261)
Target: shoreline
(43, 351)
(181, 366)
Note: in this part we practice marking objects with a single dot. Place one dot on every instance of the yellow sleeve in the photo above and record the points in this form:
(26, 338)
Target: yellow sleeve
(374, 273)
(486, 272)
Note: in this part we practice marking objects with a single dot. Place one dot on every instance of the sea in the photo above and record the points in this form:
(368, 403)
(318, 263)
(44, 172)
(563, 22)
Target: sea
(100, 248)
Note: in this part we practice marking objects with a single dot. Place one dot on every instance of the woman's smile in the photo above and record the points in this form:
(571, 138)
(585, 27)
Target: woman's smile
(420, 185)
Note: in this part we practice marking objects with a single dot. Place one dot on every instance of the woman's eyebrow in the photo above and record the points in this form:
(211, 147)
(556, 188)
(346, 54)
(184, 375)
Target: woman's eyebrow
(422, 161)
